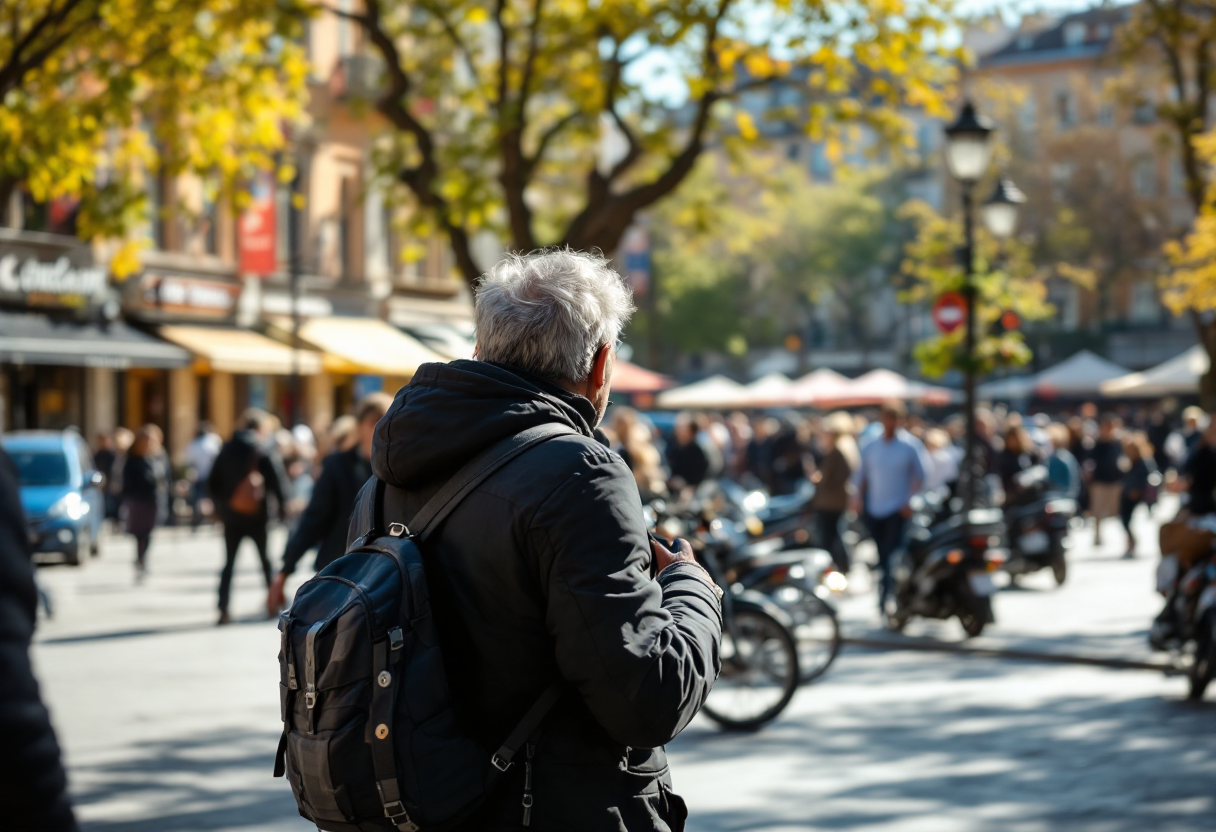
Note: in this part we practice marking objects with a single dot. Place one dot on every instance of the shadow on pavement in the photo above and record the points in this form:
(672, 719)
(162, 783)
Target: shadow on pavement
(948, 762)
(220, 781)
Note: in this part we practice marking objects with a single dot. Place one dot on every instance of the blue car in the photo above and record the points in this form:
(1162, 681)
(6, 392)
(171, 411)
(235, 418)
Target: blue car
(60, 492)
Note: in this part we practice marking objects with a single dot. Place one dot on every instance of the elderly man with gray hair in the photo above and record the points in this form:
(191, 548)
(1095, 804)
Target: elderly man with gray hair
(544, 572)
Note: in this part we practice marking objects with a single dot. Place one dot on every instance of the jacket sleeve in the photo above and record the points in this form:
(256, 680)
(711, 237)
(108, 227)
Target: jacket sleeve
(316, 519)
(642, 653)
(33, 796)
(270, 465)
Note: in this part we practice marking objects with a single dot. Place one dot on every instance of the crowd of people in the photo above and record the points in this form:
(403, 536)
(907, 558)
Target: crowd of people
(263, 474)
(1112, 463)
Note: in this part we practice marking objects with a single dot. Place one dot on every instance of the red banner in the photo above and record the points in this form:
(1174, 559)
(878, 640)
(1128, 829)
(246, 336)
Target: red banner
(255, 238)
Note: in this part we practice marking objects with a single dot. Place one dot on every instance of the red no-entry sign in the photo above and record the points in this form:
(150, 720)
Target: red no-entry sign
(950, 312)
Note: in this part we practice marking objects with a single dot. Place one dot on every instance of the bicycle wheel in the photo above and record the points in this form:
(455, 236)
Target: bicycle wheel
(759, 673)
(815, 629)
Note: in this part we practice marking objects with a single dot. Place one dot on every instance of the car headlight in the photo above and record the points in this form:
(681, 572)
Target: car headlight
(70, 506)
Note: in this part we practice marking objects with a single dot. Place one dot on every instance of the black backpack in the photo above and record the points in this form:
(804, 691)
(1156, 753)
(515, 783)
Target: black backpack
(370, 740)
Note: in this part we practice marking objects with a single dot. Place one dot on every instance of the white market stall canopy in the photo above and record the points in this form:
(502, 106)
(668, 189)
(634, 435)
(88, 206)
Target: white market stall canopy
(772, 390)
(1179, 375)
(821, 385)
(1080, 375)
(878, 386)
(715, 391)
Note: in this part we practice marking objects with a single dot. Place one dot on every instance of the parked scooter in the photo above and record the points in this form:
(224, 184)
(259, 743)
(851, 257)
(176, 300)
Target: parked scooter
(946, 570)
(1037, 521)
(1187, 625)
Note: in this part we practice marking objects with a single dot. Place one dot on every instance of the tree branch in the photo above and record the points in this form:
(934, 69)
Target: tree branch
(16, 67)
(421, 179)
(454, 36)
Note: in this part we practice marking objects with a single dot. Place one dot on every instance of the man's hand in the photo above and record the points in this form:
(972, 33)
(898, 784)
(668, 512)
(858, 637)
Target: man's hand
(276, 598)
(664, 557)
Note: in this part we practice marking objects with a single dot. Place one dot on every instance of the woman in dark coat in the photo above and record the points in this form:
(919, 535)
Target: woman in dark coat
(831, 500)
(1140, 466)
(144, 491)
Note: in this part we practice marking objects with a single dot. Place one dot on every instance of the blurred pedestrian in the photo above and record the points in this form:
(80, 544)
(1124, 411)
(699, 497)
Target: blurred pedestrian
(1198, 473)
(103, 460)
(636, 446)
(145, 492)
(1139, 467)
(1105, 473)
(245, 479)
(832, 485)
(1063, 472)
(944, 459)
(33, 785)
(1014, 458)
(123, 439)
(892, 470)
(325, 522)
(200, 456)
(688, 456)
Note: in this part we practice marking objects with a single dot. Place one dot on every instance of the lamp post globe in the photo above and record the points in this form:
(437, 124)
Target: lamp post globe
(969, 145)
(1000, 211)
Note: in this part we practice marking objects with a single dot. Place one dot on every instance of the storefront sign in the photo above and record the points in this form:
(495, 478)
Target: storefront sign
(255, 237)
(188, 297)
(59, 282)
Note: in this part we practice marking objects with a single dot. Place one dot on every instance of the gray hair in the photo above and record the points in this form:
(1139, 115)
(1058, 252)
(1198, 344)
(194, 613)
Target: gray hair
(548, 312)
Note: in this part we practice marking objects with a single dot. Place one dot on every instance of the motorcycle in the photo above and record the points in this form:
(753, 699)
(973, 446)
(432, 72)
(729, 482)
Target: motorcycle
(760, 671)
(1187, 626)
(1037, 521)
(946, 569)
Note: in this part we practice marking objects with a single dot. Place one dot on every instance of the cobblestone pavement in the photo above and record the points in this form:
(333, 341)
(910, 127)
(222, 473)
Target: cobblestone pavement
(170, 723)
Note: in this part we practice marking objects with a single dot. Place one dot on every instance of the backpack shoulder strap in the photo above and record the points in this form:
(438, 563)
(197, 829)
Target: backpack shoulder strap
(476, 471)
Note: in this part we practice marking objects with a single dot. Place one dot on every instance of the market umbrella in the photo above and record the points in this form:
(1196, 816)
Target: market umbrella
(772, 390)
(1179, 375)
(822, 385)
(628, 377)
(878, 386)
(715, 391)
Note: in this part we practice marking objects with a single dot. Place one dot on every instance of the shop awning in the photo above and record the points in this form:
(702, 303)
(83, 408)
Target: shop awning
(32, 338)
(230, 350)
(366, 346)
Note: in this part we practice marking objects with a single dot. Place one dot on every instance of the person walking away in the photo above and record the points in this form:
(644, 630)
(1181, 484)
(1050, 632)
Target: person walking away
(145, 491)
(543, 572)
(200, 456)
(1014, 458)
(324, 522)
(891, 472)
(832, 479)
(637, 449)
(687, 458)
(1140, 466)
(943, 460)
(1063, 472)
(103, 461)
(243, 481)
(33, 785)
(1105, 475)
(123, 439)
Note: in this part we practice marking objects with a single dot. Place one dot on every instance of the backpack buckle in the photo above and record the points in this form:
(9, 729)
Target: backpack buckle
(500, 763)
(397, 530)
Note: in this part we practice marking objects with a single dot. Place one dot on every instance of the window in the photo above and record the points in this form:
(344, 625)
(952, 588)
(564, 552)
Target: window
(1025, 42)
(155, 190)
(1074, 33)
(1064, 297)
(346, 31)
(1177, 184)
(1145, 112)
(791, 151)
(1061, 177)
(1106, 113)
(821, 166)
(346, 224)
(1066, 109)
(1144, 176)
(1143, 307)
(1028, 114)
(210, 217)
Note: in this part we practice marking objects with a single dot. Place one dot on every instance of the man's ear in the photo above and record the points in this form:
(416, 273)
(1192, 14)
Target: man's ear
(599, 369)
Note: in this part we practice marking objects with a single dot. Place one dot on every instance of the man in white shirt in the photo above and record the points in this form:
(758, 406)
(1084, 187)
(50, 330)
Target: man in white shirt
(892, 470)
(200, 456)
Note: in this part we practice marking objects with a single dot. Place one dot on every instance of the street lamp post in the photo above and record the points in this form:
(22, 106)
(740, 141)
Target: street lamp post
(968, 155)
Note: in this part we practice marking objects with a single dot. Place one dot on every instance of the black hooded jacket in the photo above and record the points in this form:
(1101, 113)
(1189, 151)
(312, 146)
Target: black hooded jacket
(33, 787)
(542, 573)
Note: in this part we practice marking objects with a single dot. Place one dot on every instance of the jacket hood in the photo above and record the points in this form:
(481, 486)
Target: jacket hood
(451, 412)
